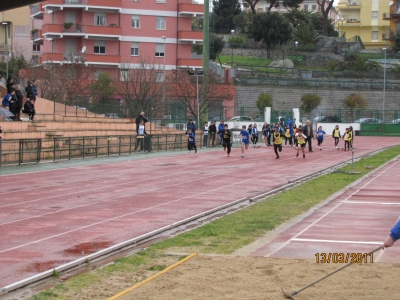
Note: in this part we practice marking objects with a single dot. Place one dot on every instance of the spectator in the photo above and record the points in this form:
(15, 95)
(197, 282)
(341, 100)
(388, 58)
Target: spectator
(212, 130)
(221, 129)
(34, 89)
(308, 132)
(191, 126)
(205, 137)
(29, 92)
(10, 83)
(18, 107)
(29, 108)
(8, 99)
(139, 118)
(141, 132)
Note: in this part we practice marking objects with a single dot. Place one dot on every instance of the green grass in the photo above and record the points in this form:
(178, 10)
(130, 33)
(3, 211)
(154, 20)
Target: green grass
(232, 232)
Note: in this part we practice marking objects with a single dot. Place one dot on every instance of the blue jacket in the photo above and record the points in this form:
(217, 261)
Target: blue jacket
(191, 138)
(6, 100)
(395, 231)
(221, 128)
(191, 126)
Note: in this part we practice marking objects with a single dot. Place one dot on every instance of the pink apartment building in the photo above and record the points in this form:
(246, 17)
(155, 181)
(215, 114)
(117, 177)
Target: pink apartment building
(114, 33)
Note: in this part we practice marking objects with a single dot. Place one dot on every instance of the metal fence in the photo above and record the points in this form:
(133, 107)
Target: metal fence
(20, 151)
(87, 109)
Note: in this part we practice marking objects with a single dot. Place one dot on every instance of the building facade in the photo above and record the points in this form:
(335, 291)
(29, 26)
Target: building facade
(111, 34)
(368, 19)
(394, 16)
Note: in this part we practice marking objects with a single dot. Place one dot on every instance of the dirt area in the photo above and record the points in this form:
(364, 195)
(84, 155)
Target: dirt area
(221, 277)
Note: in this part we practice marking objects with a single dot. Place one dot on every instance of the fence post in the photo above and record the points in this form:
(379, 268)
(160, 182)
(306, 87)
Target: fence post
(108, 146)
(97, 147)
(130, 144)
(119, 145)
(166, 142)
(158, 142)
(69, 148)
(83, 147)
(39, 150)
(54, 149)
(65, 109)
(20, 151)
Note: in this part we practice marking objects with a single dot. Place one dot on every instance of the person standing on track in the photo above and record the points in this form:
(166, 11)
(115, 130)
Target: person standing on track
(212, 130)
(264, 134)
(320, 137)
(308, 132)
(139, 118)
(205, 137)
(347, 139)
(336, 135)
(301, 140)
(227, 140)
(191, 126)
(245, 138)
(277, 142)
(254, 135)
(220, 132)
(352, 136)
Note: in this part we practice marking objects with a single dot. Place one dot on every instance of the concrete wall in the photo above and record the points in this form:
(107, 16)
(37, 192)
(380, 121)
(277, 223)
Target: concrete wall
(286, 98)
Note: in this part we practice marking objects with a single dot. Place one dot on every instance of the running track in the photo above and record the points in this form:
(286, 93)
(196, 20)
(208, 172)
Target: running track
(48, 218)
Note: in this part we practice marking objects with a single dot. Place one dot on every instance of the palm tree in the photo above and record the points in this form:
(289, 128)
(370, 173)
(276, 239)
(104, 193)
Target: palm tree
(332, 66)
(361, 64)
(305, 35)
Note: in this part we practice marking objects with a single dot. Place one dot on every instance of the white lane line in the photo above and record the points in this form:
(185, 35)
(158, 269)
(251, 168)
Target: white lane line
(323, 216)
(335, 241)
(366, 202)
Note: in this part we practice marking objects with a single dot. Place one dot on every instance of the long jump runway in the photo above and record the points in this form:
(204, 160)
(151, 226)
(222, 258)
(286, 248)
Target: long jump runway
(49, 218)
(350, 225)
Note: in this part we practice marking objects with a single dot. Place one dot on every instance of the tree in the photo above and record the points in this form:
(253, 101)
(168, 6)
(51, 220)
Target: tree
(270, 28)
(217, 44)
(241, 21)
(223, 13)
(285, 3)
(102, 89)
(332, 66)
(264, 100)
(182, 88)
(306, 35)
(141, 86)
(298, 17)
(252, 4)
(353, 101)
(360, 64)
(395, 37)
(324, 7)
(310, 102)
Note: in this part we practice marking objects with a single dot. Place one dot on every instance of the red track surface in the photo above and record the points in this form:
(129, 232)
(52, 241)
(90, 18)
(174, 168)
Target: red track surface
(52, 217)
(357, 221)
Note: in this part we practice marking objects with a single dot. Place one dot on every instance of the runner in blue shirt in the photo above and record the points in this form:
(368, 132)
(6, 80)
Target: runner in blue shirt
(245, 137)
(320, 136)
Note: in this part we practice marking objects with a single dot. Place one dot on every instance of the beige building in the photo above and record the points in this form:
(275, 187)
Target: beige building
(368, 19)
(15, 32)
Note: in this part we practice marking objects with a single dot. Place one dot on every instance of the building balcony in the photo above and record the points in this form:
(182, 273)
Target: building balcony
(190, 10)
(37, 38)
(88, 5)
(191, 37)
(37, 11)
(352, 22)
(385, 36)
(395, 11)
(88, 59)
(85, 31)
(190, 63)
(386, 16)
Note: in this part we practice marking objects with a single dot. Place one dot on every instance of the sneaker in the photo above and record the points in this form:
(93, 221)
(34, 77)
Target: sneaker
(320, 148)
(229, 155)
(243, 155)
(195, 150)
(224, 148)
(304, 156)
(277, 157)
(297, 155)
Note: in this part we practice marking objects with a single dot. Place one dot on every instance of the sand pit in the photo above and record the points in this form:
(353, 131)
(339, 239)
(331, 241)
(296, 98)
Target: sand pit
(219, 277)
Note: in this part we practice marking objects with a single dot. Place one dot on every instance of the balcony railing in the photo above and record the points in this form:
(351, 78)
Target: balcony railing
(37, 11)
(103, 59)
(386, 16)
(353, 3)
(189, 63)
(190, 36)
(82, 30)
(191, 9)
(385, 36)
(92, 59)
(83, 4)
(37, 37)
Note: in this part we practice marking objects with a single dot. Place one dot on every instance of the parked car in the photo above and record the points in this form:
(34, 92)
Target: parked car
(328, 119)
(241, 119)
(395, 121)
(368, 121)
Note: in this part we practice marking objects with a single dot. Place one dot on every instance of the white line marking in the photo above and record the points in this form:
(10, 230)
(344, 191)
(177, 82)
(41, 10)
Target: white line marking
(335, 241)
(366, 202)
(323, 216)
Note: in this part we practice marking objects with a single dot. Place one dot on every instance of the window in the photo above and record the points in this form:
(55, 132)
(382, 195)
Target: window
(314, 7)
(160, 77)
(135, 49)
(36, 48)
(375, 35)
(374, 15)
(124, 75)
(375, 1)
(99, 19)
(99, 47)
(305, 6)
(160, 50)
(160, 23)
(135, 21)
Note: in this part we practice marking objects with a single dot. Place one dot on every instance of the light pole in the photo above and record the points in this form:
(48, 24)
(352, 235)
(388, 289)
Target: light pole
(384, 86)
(232, 33)
(199, 73)
(296, 43)
(5, 24)
(163, 98)
(341, 38)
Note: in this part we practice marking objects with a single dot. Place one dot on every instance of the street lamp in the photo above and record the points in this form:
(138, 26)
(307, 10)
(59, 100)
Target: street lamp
(163, 99)
(384, 86)
(5, 24)
(341, 38)
(232, 33)
(199, 73)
